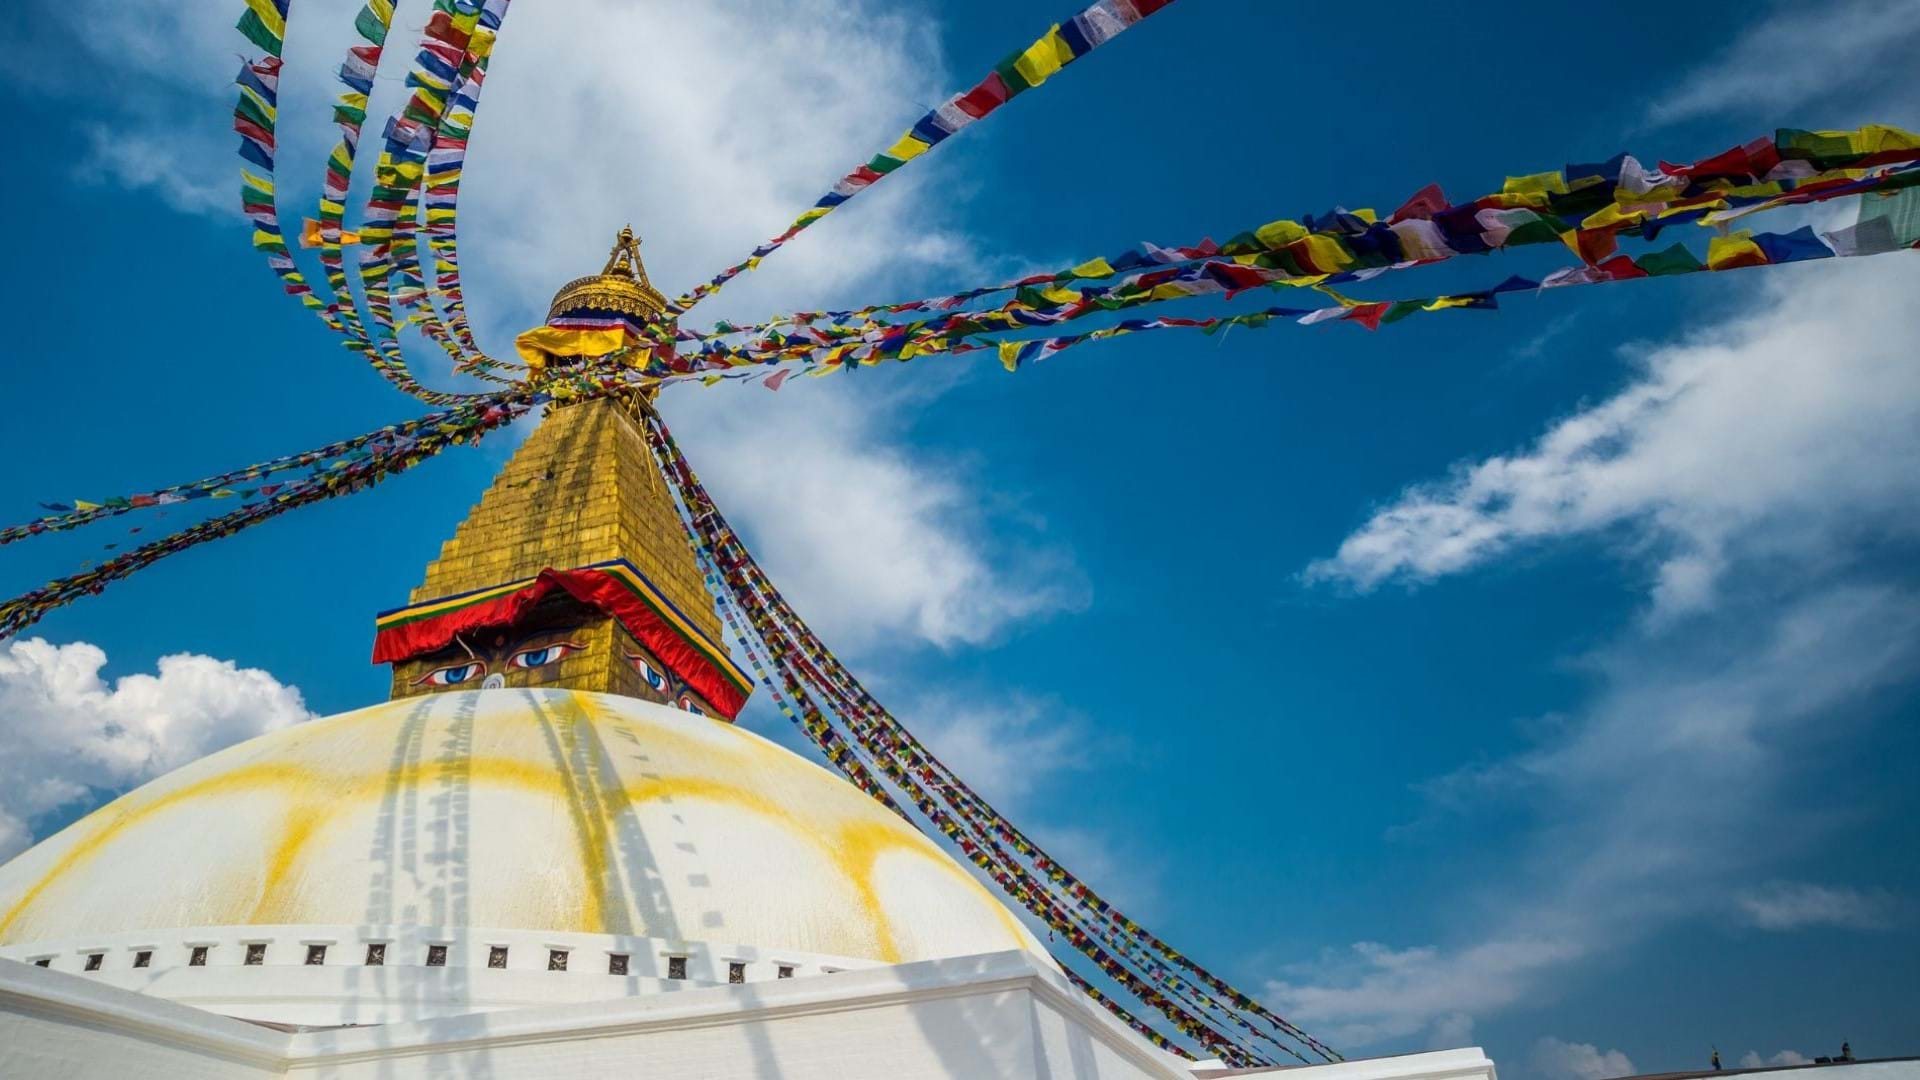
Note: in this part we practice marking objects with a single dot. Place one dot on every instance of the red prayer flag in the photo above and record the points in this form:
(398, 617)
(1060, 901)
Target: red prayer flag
(1621, 268)
(983, 99)
(1367, 315)
(1425, 203)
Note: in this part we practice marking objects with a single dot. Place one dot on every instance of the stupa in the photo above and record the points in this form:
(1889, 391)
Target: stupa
(552, 852)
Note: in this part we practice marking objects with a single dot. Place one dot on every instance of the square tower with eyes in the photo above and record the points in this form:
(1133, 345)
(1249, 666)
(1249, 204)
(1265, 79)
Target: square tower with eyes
(573, 572)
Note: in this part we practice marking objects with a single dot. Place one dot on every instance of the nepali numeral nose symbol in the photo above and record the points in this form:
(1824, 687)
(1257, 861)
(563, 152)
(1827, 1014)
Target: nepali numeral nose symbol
(494, 681)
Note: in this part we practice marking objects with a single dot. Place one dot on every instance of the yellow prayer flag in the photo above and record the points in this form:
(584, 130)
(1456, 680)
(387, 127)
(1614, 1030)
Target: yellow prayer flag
(908, 148)
(1737, 249)
(1611, 216)
(1548, 183)
(269, 16)
(82, 504)
(1043, 58)
(1010, 355)
(1278, 234)
(1326, 253)
(1442, 302)
(1093, 268)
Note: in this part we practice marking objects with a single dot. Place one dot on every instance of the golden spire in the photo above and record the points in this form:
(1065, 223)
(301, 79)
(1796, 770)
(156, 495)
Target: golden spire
(621, 286)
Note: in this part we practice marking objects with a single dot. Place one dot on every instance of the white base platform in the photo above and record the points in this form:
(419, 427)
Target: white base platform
(996, 1015)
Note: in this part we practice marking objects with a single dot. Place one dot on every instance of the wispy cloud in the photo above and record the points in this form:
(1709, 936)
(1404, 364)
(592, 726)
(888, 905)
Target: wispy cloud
(1781, 427)
(1804, 55)
(1796, 905)
(1762, 470)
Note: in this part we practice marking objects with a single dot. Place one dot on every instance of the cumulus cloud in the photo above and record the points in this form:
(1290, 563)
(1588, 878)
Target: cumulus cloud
(1777, 428)
(71, 736)
(1796, 905)
(1785, 1058)
(1557, 1059)
(1800, 55)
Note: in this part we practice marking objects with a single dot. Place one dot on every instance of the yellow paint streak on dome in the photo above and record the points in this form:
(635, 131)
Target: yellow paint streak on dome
(298, 828)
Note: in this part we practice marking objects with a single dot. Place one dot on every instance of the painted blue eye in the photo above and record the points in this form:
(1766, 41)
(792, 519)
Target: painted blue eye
(452, 675)
(687, 704)
(544, 655)
(648, 672)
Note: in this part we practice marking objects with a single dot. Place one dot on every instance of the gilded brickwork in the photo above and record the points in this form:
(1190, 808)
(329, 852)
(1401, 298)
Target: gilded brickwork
(582, 489)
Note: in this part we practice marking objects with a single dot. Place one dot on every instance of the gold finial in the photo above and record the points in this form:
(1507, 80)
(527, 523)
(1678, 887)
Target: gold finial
(625, 255)
(621, 285)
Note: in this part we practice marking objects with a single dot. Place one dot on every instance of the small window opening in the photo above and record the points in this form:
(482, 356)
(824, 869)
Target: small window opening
(497, 956)
(736, 972)
(45, 962)
(198, 957)
(436, 956)
(676, 967)
(143, 958)
(785, 972)
(256, 954)
(376, 954)
(617, 963)
(316, 955)
(94, 960)
(556, 959)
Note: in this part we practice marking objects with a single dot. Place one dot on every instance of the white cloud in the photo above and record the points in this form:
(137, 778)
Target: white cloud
(1371, 993)
(1785, 1058)
(1556, 1059)
(1795, 905)
(1809, 53)
(876, 545)
(70, 735)
(1762, 469)
(1776, 428)
(708, 127)
(1003, 746)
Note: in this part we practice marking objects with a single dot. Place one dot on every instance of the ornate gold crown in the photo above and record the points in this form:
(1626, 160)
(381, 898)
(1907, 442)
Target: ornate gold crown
(621, 286)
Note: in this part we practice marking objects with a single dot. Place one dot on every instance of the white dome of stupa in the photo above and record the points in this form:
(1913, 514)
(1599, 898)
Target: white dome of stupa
(488, 849)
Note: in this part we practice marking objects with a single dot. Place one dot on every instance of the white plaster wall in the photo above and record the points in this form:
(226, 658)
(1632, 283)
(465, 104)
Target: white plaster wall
(54, 1025)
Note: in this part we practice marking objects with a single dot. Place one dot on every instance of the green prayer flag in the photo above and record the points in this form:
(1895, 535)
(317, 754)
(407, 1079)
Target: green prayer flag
(258, 33)
(371, 27)
(1675, 260)
(1400, 310)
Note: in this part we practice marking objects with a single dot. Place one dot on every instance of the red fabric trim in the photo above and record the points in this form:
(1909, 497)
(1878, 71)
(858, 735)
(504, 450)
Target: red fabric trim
(596, 589)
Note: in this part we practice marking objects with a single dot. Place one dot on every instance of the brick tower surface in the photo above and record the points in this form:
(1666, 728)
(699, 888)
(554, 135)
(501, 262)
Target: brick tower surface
(583, 489)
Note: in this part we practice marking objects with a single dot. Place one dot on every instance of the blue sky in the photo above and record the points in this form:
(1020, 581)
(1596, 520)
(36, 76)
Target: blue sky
(1541, 679)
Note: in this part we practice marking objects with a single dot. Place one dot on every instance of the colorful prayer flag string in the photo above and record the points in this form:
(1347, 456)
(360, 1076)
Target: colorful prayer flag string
(1061, 45)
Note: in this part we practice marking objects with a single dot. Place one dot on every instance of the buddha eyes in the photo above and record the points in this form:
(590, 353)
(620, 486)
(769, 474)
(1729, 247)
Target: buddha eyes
(544, 655)
(452, 675)
(647, 671)
(686, 703)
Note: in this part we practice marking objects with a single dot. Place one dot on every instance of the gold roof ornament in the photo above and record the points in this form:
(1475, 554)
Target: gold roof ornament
(620, 286)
